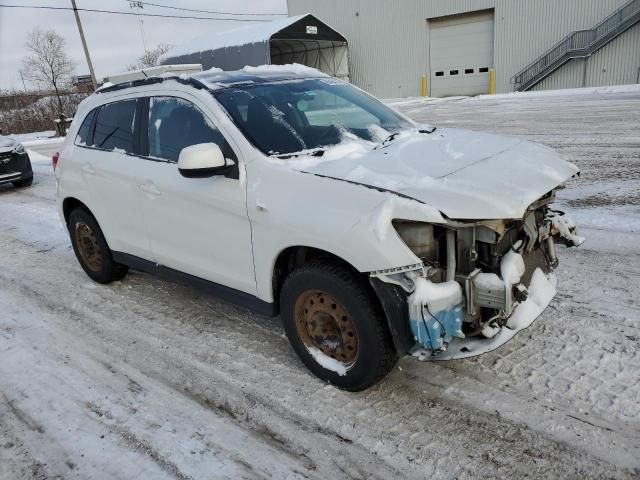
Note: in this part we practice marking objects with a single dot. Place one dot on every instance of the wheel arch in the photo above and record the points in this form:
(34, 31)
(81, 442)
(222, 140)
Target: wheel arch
(391, 299)
(69, 204)
(295, 256)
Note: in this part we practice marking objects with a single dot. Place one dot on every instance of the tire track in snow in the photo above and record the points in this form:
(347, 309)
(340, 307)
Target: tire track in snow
(160, 316)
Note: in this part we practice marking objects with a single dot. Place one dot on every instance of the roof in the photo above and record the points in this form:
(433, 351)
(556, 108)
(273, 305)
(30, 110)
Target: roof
(240, 36)
(216, 79)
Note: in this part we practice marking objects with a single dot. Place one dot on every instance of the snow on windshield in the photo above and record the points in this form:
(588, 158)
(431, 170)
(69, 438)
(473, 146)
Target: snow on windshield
(282, 118)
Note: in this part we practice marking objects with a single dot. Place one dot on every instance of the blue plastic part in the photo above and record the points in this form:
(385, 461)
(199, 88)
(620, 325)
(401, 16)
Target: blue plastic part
(435, 332)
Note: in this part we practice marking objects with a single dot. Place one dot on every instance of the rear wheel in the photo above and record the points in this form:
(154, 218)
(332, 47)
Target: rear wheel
(25, 182)
(336, 326)
(91, 248)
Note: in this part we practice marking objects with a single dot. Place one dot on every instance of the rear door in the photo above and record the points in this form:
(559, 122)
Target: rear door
(110, 168)
(197, 226)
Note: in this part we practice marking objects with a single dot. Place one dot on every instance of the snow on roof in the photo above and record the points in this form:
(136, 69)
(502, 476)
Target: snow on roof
(232, 38)
(216, 78)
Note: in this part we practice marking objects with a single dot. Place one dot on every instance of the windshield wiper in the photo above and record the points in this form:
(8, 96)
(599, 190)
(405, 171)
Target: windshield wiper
(318, 152)
(389, 138)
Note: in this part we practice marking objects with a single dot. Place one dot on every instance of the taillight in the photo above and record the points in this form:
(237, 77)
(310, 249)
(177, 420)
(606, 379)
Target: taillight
(54, 160)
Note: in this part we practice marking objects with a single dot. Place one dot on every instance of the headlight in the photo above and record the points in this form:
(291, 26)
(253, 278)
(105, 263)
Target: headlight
(19, 148)
(418, 236)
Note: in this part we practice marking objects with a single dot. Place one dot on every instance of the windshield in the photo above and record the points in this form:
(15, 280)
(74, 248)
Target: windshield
(288, 117)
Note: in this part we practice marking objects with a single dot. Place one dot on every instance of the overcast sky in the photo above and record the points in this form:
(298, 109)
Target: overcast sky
(115, 40)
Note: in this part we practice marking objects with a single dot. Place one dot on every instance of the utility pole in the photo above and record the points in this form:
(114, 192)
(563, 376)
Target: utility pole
(23, 84)
(84, 45)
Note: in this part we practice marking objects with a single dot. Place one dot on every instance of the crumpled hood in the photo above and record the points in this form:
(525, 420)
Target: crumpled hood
(464, 174)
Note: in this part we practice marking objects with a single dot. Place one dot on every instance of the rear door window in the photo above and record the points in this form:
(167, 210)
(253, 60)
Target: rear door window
(115, 126)
(174, 124)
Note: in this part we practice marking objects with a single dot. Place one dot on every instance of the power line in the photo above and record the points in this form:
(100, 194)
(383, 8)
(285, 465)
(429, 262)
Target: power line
(92, 10)
(204, 11)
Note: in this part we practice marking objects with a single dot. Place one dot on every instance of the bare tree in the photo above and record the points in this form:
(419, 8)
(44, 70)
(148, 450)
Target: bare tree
(150, 58)
(48, 64)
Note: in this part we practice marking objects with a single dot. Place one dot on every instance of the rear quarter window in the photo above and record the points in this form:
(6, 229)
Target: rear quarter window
(85, 132)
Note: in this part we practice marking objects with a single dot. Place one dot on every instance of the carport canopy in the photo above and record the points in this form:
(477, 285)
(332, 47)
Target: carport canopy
(301, 39)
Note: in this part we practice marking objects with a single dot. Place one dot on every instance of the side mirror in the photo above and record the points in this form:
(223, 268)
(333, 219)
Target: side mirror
(202, 160)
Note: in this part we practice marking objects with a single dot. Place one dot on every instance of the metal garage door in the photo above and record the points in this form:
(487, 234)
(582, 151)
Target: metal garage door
(460, 54)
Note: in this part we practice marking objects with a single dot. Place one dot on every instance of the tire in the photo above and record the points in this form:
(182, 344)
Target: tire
(25, 182)
(91, 248)
(323, 307)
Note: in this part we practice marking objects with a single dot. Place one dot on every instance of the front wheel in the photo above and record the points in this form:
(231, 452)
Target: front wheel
(336, 326)
(91, 248)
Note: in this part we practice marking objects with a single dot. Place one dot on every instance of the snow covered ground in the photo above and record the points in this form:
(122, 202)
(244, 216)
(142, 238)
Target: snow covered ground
(147, 379)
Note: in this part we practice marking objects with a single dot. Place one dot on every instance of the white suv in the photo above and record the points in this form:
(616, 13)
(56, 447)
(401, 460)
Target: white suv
(291, 192)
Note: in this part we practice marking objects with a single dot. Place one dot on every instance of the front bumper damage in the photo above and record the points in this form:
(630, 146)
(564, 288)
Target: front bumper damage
(472, 305)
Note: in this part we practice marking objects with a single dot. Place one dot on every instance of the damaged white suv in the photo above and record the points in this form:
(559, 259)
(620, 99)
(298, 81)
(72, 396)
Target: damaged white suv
(289, 191)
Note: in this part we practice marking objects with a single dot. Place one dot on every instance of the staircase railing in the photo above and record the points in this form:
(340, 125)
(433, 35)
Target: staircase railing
(577, 44)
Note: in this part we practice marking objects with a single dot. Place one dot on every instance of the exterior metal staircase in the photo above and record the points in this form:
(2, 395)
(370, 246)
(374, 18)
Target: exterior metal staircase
(578, 44)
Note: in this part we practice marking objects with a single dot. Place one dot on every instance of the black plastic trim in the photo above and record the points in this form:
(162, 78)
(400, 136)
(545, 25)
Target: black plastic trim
(226, 293)
(394, 303)
(143, 135)
(133, 83)
(206, 172)
(193, 82)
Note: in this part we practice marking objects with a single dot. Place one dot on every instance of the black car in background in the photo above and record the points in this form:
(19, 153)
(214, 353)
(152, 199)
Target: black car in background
(15, 165)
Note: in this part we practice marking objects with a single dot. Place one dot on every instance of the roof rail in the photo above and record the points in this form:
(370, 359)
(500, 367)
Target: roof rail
(193, 82)
(156, 71)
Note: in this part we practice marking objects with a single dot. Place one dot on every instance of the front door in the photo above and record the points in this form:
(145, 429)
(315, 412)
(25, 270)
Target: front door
(197, 226)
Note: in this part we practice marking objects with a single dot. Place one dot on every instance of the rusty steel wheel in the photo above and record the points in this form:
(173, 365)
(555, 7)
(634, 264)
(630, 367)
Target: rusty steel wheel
(91, 248)
(336, 325)
(88, 246)
(323, 323)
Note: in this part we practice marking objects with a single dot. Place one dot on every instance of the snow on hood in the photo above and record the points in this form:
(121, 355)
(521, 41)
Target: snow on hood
(7, 144)
(464, 174)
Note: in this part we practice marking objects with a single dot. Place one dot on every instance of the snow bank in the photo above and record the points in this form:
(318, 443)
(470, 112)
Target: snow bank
(563, 92)
(418, 101)
(328, 362)
(43, 141)
(437, 296)
(40, 164)
(28, 137)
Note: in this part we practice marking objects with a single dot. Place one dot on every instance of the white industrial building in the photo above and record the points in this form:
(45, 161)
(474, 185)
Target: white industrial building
(530, 44)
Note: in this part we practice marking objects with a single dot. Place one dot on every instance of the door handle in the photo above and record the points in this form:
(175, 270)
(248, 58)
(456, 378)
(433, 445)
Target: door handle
(150, 189)
(87, 168)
